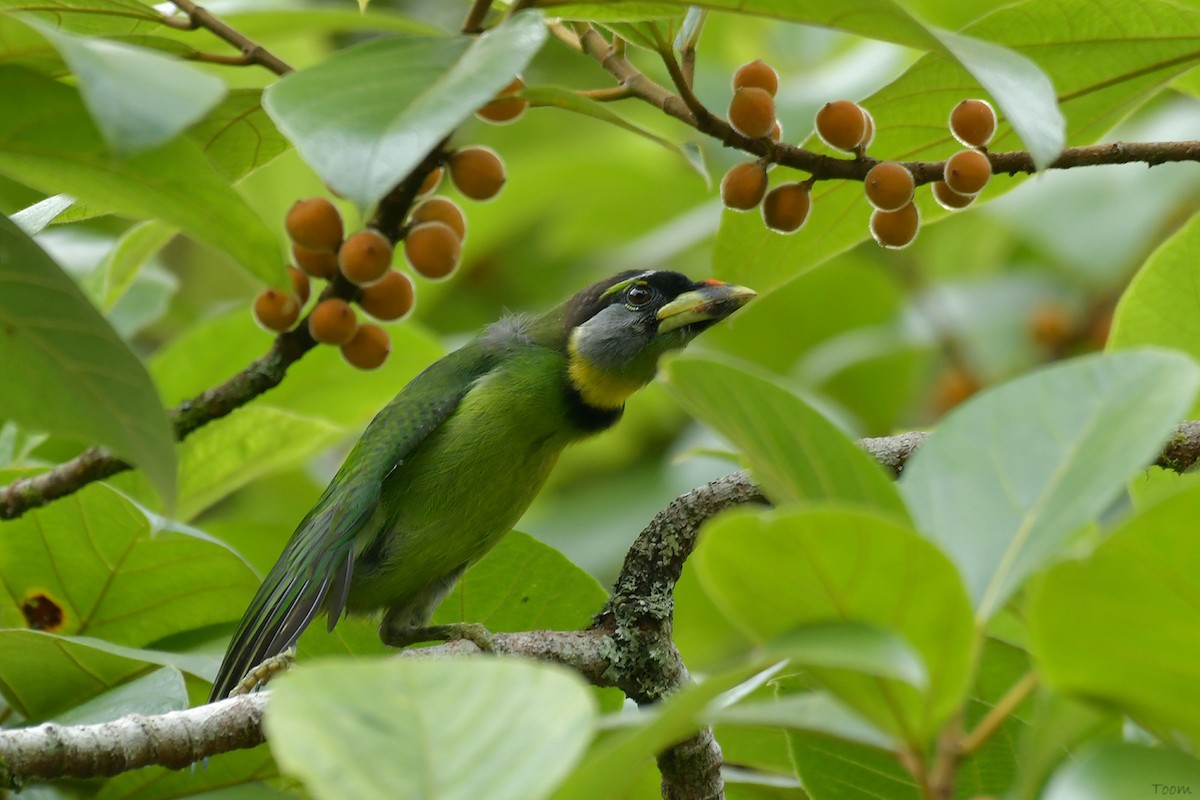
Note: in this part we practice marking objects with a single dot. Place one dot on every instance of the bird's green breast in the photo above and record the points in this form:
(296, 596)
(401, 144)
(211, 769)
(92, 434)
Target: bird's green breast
(468, 483)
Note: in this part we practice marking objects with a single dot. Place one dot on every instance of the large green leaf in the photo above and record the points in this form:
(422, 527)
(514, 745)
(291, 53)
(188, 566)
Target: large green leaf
(523, 585)
(236, 775)
(96, 564)
(1120, 771)
(157, 692)
(237, 136)
(228, 453)
(795, 452)
(48, 141)
(775, 571)
(1121, 625)
(832, 767)
(364, 118)
(138, 98)
(43, 675)
(1010, 475)
(212, 351)
(1104, 57)
(99, 17)
(1157, 309)
(413, 728)
(66, 370)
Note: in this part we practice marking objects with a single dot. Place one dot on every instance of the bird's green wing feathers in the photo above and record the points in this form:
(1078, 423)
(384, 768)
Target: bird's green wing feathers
(313, 573)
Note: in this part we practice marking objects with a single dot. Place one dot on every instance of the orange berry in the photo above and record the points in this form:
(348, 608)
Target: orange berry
(317, 263)
(785, 208)
(953, 387)
(433, 249)
(275, 310)
(758, 74)
(967, 171)
(752, 112)
(889, 185)
(743, 186)
(390, 298)
(478, 172)
(314, 224)
(300, 285)
(441, 209)
(332, 322)
(368, 348)
(1051, 325)
(869, 133)
(949, 199)
(777, 131)
(432, 180)
(896, 229)
(973, 122)
(504, 107)
(842, 124)
(365, 256)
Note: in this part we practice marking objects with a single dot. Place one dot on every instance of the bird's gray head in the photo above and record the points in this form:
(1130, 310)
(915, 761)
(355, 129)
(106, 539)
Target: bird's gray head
(619, 327)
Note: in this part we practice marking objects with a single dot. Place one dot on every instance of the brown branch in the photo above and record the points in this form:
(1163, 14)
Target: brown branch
(251, 53)
(475, 17)
(685, 108)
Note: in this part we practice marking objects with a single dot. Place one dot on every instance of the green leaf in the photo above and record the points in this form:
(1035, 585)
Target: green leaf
(34, 219)
(211, 352)
(832, 767)
(1153, 310)
(816, 712)
(1119, 626)
(158, 692)
(42, 675)
(96, 564)
(48, 141)
(775, 571)
(523, 585)
(851, 646)
(236, 775)
(99, 17)
(1009, 476)
(138, 98)
(795, 452)
(116, 273)
(255, 440)
(1119, 771)
(568, 100)
(68, 372)
(238, 136)
(344, 112)
(413, 728)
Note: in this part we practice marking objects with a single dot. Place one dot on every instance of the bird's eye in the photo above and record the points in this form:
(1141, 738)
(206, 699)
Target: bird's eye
(638, 296)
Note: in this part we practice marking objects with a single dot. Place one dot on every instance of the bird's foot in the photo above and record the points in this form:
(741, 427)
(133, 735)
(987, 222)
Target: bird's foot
(264, 672)
(472, 632)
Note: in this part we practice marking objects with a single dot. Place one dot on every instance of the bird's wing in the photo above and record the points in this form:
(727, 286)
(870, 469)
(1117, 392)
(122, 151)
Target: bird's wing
(313, 573)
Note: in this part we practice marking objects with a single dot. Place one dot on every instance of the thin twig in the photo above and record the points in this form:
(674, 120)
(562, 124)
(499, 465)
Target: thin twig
(998, 714)
(252, 53)
(606, 95)
(475, 17)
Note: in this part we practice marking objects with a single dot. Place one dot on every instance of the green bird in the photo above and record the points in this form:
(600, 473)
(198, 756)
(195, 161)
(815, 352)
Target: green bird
(451, 464)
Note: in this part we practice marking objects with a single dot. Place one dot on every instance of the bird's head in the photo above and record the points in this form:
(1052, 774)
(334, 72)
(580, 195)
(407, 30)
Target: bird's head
(619, 327)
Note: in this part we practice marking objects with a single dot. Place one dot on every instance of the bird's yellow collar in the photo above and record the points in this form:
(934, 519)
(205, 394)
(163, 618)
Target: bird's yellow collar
(598, 388)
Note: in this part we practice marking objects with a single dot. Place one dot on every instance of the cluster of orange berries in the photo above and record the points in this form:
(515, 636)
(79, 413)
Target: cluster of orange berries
(432, 247)
(845, 125)
(364, 258)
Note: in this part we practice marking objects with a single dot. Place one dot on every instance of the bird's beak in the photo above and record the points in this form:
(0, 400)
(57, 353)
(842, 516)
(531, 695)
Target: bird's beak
(711, 302)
